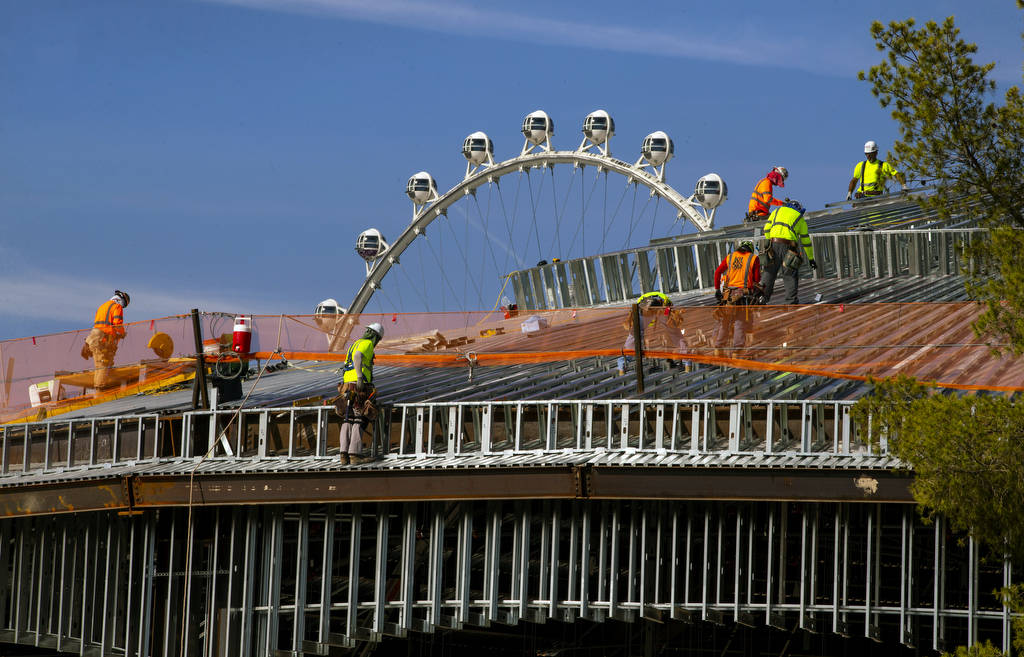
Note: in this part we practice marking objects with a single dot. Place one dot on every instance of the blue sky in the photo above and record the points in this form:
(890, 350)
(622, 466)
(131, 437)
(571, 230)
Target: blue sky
(224, 154)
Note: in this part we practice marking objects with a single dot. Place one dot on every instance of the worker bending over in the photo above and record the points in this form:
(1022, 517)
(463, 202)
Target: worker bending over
(355, 403)
(872, 174)
(786, 232)
(737, 287)
(762, 199)
(652, 305)
(107, 331)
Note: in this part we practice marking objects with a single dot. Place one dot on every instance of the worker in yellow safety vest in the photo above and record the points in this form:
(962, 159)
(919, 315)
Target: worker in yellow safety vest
(652, 305)
(786, 232)
(107, 331)
(872, 174)
(355, 403)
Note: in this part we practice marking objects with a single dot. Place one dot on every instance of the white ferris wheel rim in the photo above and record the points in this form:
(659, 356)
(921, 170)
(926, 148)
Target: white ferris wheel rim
(685, 206)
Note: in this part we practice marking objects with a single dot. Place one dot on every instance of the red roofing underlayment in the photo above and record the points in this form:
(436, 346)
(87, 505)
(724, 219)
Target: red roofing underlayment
(930, 341)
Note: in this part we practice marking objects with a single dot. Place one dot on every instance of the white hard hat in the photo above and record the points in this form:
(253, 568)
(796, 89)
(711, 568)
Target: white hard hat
(376, 328)
(782, 171)
(870, 147)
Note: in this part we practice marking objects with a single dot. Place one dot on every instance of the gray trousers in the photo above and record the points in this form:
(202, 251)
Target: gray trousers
(351, 437)
(790, 277)
(734, 325)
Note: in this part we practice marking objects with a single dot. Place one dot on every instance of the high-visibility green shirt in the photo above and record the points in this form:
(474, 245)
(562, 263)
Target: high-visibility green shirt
(365, 347)
(788, 224)
(873, 175)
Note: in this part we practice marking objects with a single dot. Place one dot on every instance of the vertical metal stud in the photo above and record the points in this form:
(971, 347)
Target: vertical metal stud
(408, 564)
(584, 571)
(380, 572)
(248, 579)
(465, 561)
(355, 540)
(436, 555)
(301, 561)
(556, 525)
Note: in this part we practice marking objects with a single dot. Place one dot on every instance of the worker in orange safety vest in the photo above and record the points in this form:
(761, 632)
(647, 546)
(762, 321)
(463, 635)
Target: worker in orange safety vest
(107, 331)
(762, 199)
(737, 287)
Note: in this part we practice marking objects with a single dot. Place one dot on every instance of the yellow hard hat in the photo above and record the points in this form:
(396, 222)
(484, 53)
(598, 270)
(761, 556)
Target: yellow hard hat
(161, 344)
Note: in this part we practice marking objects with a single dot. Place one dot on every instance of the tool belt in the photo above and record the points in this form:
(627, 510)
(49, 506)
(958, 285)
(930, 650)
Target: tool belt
(735, 296)
(361, 405)
(738, 296)
(782, 240)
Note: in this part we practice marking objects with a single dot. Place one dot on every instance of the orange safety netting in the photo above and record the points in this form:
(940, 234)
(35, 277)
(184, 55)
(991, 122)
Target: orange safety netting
(931, 341)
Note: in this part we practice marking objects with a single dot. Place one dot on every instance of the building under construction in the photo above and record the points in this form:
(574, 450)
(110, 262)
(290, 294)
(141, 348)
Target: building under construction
(525, 498)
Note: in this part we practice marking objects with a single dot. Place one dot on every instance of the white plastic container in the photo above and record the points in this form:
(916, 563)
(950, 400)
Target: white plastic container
(533, 323)
(44, 392)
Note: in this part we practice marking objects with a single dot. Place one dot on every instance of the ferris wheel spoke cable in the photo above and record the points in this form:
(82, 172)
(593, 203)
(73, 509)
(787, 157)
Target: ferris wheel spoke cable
(559, 215)
(581, 227)
(511, 240)
(465, 259)
(487, 237)
(632, 216)
(654, 217)
(440, 268)
(533, 208)
(554, 212)
(423, 278)
(618, 207)
(604, 213)
(465, 256)
(387, 297)
(419, 288)
(637, 219)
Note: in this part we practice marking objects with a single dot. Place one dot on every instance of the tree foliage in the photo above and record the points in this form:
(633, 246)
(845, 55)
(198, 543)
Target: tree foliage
(952, 133)
(966, 453)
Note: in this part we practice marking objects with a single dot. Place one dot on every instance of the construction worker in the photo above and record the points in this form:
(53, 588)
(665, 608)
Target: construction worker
(786, 232)
(355, 403)
(872, 174)
(737, 287)
(107, 331)
(762, 200)
(651, 305)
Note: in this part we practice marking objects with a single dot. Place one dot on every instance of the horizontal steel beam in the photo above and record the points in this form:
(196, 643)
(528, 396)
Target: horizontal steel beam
(359, 486)
(566, 482)
(749, 484)
(68, 497)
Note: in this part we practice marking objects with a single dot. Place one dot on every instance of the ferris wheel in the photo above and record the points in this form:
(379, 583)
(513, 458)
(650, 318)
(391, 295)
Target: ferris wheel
(543, 205)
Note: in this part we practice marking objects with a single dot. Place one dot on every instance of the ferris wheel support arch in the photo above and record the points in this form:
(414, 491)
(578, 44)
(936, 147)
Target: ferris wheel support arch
(686, 207)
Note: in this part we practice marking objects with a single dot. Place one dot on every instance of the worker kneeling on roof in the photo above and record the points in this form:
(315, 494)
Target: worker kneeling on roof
(355, 403)
(762, 199)
(107, 331)
(653, 305)
(737, 287)
(786, 232)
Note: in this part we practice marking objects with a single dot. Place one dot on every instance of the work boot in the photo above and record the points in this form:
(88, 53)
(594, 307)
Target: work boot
(344, 458)
(358, 459)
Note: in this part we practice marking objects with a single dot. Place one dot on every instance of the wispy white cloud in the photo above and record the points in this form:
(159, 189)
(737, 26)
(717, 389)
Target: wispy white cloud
(73, 300)
(736, 46)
